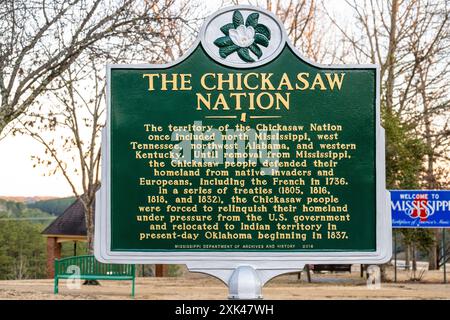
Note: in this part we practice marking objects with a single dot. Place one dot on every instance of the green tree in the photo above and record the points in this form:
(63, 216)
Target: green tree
(405, 154)
(22, 250)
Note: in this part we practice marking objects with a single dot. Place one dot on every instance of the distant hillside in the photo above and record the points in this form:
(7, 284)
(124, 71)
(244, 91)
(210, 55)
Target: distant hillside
(54, 206)
(19, 210)
(27, 199)
(11, 207)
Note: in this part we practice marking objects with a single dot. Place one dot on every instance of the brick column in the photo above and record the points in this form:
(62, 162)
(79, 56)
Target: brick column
(161, 270)
(53, 252)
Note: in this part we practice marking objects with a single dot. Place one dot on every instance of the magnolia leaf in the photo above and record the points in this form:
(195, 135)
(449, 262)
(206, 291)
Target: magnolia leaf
(223, 42)
(252, 20)
(262, 29)
(245, 55)
(238, 19)
(226, 51)
(226, 28)
(261, 39)
(256, 50)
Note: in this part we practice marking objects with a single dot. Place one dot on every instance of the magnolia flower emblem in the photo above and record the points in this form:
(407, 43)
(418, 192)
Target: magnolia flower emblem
(243, 38)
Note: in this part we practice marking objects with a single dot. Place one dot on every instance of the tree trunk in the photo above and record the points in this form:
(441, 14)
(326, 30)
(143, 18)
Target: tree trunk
(90, 230)
(438, 239)
(391, 57)
(89, 217)
(430, 178)
(383, 272)
(407, 257)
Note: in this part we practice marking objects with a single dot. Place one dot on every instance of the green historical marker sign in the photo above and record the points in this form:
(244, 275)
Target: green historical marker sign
(243, 153)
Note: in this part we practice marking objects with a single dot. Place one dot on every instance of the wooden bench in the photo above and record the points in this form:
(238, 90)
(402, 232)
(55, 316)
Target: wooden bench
(91, 269)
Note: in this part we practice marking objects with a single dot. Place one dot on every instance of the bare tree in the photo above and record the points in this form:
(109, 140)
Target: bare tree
(39, 40)
(375, 38)
(67, 119)
(430, 44)
(410, 41)
(70, 132)
(306, 26)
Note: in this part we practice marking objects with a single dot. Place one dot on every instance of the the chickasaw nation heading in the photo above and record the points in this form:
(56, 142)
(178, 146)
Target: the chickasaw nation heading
(250, 91)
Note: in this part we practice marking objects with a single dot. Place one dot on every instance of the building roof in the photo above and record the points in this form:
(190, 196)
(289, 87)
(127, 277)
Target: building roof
(70, 222)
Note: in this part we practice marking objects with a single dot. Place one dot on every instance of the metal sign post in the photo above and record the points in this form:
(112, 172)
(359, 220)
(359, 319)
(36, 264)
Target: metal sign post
(395, 257)
(444, 255)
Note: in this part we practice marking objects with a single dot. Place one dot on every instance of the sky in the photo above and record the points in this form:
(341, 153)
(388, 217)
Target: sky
(17, 175)
(19, 178)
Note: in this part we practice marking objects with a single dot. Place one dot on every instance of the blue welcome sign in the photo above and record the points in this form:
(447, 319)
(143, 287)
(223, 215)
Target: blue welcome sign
(420, 208)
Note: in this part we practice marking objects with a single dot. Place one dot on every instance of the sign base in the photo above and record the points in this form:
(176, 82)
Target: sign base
(245, 281)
